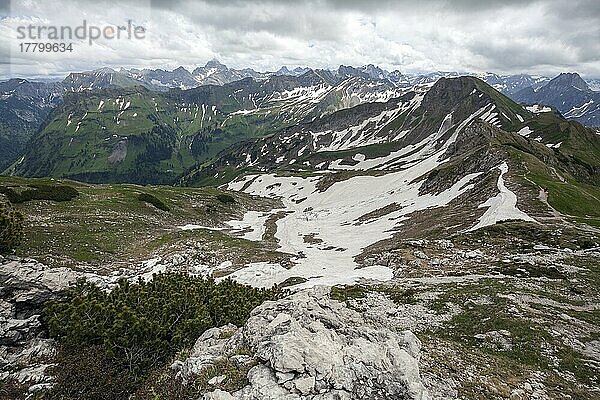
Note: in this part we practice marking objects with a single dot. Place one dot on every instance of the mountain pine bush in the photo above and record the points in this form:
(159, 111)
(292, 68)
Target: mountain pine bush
(40, 192)
(140, 326)
(225, 198)
(11, 227)
(155, 201)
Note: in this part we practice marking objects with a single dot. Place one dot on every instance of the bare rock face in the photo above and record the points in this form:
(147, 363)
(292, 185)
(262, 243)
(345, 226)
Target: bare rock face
(25, 285)
(308, 346)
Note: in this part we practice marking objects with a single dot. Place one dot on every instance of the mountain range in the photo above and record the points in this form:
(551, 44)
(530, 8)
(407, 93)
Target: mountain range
(134, 134)
(24, 106)
(569, 94)
(463, 208)
(184, 118)
(216, 73)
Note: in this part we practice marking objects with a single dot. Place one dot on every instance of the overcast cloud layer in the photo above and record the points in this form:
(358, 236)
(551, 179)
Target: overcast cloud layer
(537, 37)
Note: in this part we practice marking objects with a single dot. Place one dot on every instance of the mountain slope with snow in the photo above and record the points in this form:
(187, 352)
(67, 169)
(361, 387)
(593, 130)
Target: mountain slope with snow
(447, 160)
(137, 135)
(569, 94)
(415, 123)
(24, 107)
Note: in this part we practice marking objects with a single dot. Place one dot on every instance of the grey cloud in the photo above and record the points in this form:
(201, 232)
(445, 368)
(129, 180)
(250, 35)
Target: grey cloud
(4, 7)
(539, 36)
(572, 8)
(506, 57)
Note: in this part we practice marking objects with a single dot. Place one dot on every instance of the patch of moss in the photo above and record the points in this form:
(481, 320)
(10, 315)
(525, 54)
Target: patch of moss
(345, 293)
(291, 281)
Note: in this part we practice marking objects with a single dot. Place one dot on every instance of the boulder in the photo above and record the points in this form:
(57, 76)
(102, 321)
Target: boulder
(308, 346)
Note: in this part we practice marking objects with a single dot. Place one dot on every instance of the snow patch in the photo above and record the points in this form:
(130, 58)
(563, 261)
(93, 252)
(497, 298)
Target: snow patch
(525, 131)
(502, 207)
(252, 225)
(577, 112)
(536, 109)
(191, 227)
(333, 216)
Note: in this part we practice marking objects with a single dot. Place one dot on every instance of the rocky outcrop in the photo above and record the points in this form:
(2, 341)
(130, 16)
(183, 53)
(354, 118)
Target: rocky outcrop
(25, 285)
(308, 346)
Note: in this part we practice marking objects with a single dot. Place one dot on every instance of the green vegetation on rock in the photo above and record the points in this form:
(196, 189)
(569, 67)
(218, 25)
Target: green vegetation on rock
(54, 192)
(156, 202)
(225, 198)
(137, 328)
(11, 228)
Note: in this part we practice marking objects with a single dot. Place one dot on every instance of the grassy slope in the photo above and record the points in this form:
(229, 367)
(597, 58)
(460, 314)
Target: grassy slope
(85, 144)
(185, 131)
(568, 173)
(107, 223)
(578, 200)
(82, 147)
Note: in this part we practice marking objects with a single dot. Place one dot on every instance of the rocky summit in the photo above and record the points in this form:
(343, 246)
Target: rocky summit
(308, 346)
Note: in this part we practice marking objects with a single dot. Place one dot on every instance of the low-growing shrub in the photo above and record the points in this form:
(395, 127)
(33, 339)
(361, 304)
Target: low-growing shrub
(140, 326)
(345, 293)
(88, 374)
(167, 385)
(226, 198)
(40, 192)
(155, 201)
(11, 228)
(13, 390)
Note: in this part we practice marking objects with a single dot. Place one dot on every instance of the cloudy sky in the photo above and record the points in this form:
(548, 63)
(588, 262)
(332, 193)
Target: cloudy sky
(537, 37)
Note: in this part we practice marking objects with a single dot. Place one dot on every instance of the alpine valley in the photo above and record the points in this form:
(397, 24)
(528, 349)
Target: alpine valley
(391, 236)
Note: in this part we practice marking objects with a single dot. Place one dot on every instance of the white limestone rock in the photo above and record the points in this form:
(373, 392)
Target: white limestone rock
(218, 395)
(26, 286)
(311, 347)
(212, 345)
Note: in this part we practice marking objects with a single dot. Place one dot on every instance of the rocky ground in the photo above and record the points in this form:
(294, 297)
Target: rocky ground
(305, 346)
(514, 318)
(309, 346)
(511, 311)
(458, 321)
(25, 351)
